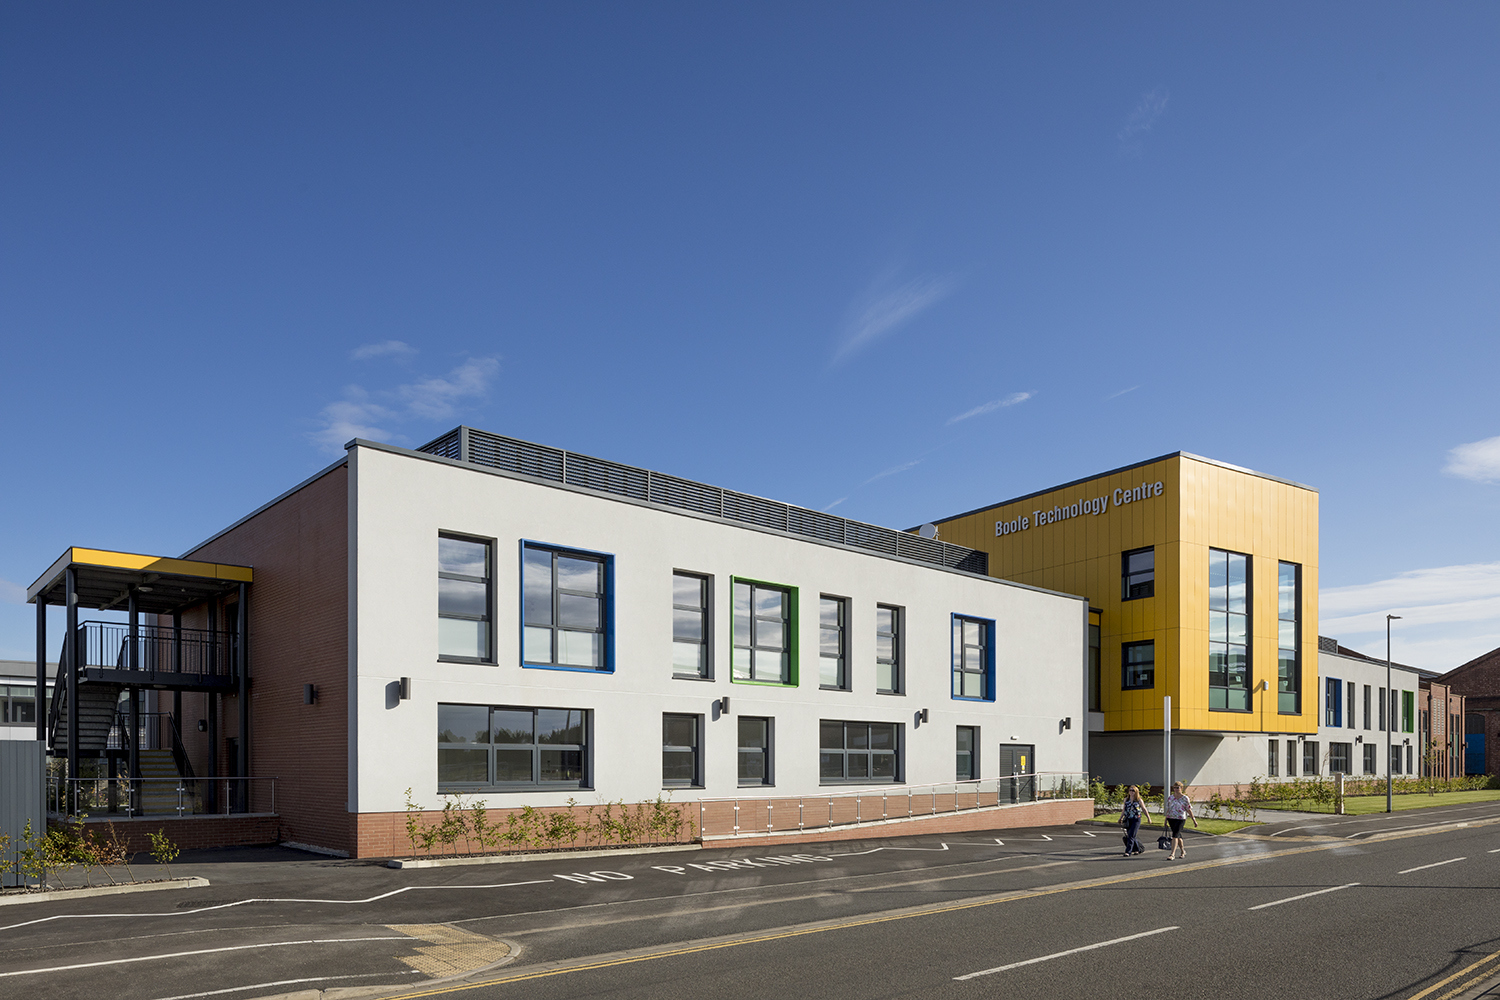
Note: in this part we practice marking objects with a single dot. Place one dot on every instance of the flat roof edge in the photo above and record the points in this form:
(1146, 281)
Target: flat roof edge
(1124, 468)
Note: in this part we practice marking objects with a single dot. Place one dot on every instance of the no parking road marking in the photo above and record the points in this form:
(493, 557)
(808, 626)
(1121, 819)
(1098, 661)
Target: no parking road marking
(1061, 954)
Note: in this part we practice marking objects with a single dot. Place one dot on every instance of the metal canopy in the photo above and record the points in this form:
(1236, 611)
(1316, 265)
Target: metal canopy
(161, 585)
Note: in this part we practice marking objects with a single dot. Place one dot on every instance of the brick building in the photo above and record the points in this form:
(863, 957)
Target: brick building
(1479, 682)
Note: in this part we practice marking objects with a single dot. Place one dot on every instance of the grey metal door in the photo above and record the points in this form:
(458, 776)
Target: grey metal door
(1018, 761)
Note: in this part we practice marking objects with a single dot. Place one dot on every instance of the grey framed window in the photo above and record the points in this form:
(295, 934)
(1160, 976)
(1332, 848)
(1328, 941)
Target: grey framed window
(1138, 665)
(1396, 759)
(691, 642)
(1273, 757)
(1291, 758)
(566, 612)
(888, 638)
(1395, 716)
(681, 751)
(507, 747)
(1094, 696)
(18, 704)
(1228, 631)
(1370, 756)
(1310, 760)
(1367, 706)
(1289, 638)
(1382, 710)
(1333, 715)
(859, 751)
(755, 751)
(465, 599)
(967, 765)
(1138, 574)
(833, 647)
(1408, 760)
(972, 657)
(764, 633)
(1350, 703)
(1338, 757)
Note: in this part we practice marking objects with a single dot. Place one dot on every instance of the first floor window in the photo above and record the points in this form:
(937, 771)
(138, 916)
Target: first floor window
(1310, 757)
(1093, 681)
(1332, 700)
(972, 641)
(1370, 752)
(1138, 574)
(1338, 758)
(1289, 638)
(1367, 710)
(463, 599)
(968, 756)
(763, 632)
(858, 751)
(508, 746)
(1350, 704)
(1273, 758)
(681, 760)
(565, 603)
(887, 649)
(1138, 663)
(755, 750)
(833, 658)
(1228, 631)
(1408, 712)
(690, 619)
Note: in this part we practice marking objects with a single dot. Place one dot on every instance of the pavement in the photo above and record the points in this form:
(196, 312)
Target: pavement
(1308, 906)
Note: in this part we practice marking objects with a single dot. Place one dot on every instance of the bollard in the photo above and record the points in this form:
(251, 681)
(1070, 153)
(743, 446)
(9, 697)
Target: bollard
(1338, 793)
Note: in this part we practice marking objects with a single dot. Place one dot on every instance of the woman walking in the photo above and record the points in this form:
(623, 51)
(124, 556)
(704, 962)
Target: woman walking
(1131, 815)
(1179, 808)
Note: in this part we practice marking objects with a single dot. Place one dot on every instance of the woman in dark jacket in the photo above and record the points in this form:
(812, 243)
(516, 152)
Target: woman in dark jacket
(1131, 815)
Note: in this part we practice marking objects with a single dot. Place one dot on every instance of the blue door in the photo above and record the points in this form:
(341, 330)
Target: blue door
(1474, 753)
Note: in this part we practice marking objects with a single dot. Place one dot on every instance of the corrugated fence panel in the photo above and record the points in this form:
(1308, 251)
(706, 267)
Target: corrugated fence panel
(22, 773)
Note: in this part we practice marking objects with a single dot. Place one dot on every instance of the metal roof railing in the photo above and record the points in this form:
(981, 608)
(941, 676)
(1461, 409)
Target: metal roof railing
(476, 447)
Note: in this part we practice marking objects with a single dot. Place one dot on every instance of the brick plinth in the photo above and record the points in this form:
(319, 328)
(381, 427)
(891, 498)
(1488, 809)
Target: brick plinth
(1057, 813)
(190, 832)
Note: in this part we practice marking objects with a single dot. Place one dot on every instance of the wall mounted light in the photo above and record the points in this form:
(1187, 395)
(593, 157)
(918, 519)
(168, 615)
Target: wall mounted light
(724, 705)
(1067, 723)
(202, 725)
(924, 715)
(404, 688)
(309, 694)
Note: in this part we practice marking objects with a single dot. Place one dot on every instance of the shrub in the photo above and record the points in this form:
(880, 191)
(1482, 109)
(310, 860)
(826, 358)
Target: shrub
(163, 850)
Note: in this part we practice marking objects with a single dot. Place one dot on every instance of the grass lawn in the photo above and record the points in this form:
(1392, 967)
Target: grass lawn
(1361, 805)
(1211, 826)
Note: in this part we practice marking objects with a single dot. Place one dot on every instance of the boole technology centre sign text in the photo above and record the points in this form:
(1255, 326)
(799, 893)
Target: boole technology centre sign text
(1096, 505)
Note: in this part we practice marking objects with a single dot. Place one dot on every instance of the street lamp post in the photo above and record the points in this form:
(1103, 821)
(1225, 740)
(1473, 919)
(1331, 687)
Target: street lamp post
(1390, 713)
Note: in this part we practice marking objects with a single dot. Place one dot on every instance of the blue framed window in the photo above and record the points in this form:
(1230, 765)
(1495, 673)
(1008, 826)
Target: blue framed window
(973, 658)
(567, 608)
(1333, 714)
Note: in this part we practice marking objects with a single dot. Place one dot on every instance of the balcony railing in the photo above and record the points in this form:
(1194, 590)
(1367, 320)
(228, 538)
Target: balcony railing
(159, 649)
(100, 797)
(759, 816)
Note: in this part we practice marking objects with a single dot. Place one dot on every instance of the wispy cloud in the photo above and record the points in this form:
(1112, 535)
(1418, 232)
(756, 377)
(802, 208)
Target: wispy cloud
(1151, 106)
(1449, 614)
(1477, 460)
(992, 406)
(365, 352)
(1115, 395)
(883, 309)
(12, 593)
(892, 471)
(834, 504)
(373, 415)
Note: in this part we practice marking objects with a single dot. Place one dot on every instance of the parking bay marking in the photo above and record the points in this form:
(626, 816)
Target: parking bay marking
(1305, 895)
(199, 951)
(1062, 954)
(1435, 864)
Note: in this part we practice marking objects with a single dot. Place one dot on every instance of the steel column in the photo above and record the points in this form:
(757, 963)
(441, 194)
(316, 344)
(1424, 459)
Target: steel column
(41, 668)
(133, 663)
(71, 646)
(241, 666)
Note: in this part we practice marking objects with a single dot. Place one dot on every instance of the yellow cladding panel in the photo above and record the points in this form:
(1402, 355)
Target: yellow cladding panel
(161, 564)
(1073, 539)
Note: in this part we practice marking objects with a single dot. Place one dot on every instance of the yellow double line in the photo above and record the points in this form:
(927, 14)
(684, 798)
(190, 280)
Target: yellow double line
(1471, 974)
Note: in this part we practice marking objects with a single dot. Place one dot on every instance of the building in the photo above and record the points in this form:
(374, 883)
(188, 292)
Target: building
(1357, 708)
(1202, 579)
(529, 626)
(1479, 682)
(18, 713)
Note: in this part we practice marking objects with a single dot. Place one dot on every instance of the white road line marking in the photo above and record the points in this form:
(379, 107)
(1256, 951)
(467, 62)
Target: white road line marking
(1087, 834)
(242, 902)
(1305, 895)
(1061, 954)
(999, 841)
(200, 951)
(288, 982)
(1495, 851)
(1045, 837)
(1435, 864)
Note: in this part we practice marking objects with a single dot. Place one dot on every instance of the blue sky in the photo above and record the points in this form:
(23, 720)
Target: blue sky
(895, 261)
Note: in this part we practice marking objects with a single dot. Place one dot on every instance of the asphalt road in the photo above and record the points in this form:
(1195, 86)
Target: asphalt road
(1372, 906)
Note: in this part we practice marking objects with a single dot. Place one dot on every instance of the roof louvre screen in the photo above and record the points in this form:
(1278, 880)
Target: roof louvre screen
(554, 464)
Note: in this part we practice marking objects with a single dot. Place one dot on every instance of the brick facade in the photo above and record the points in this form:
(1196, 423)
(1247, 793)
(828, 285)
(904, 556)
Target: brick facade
(1479, 682)
(190, 832)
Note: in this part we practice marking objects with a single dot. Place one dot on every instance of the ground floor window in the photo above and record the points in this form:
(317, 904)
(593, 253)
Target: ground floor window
(968, 755)
(755, 751)
(1370, 758)
(1291, 758)
(511, 747)
(681, 750)
(1273, 758)
(858, 751)
(1310, 757)
(1395, 760)
(1408, 760)
(1338, 758)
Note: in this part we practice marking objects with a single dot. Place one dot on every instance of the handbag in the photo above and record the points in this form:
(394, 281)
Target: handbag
(1164, 842)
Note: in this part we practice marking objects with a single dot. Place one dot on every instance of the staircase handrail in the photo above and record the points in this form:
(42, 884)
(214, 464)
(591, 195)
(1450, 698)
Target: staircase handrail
(59, 692)
(179, 752)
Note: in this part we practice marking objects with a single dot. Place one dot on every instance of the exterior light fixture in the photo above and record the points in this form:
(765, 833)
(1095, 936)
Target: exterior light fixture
(924, 715)
(202, 725)
(404, 688)
(724, 705)
(1068, 722)
(309, 694)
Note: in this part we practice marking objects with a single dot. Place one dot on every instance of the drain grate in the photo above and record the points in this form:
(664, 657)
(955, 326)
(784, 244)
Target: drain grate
(195, 904)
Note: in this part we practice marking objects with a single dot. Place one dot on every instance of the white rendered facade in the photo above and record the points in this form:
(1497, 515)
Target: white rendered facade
(401, 502)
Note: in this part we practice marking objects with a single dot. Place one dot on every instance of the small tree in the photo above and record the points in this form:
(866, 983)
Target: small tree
(163, 850)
